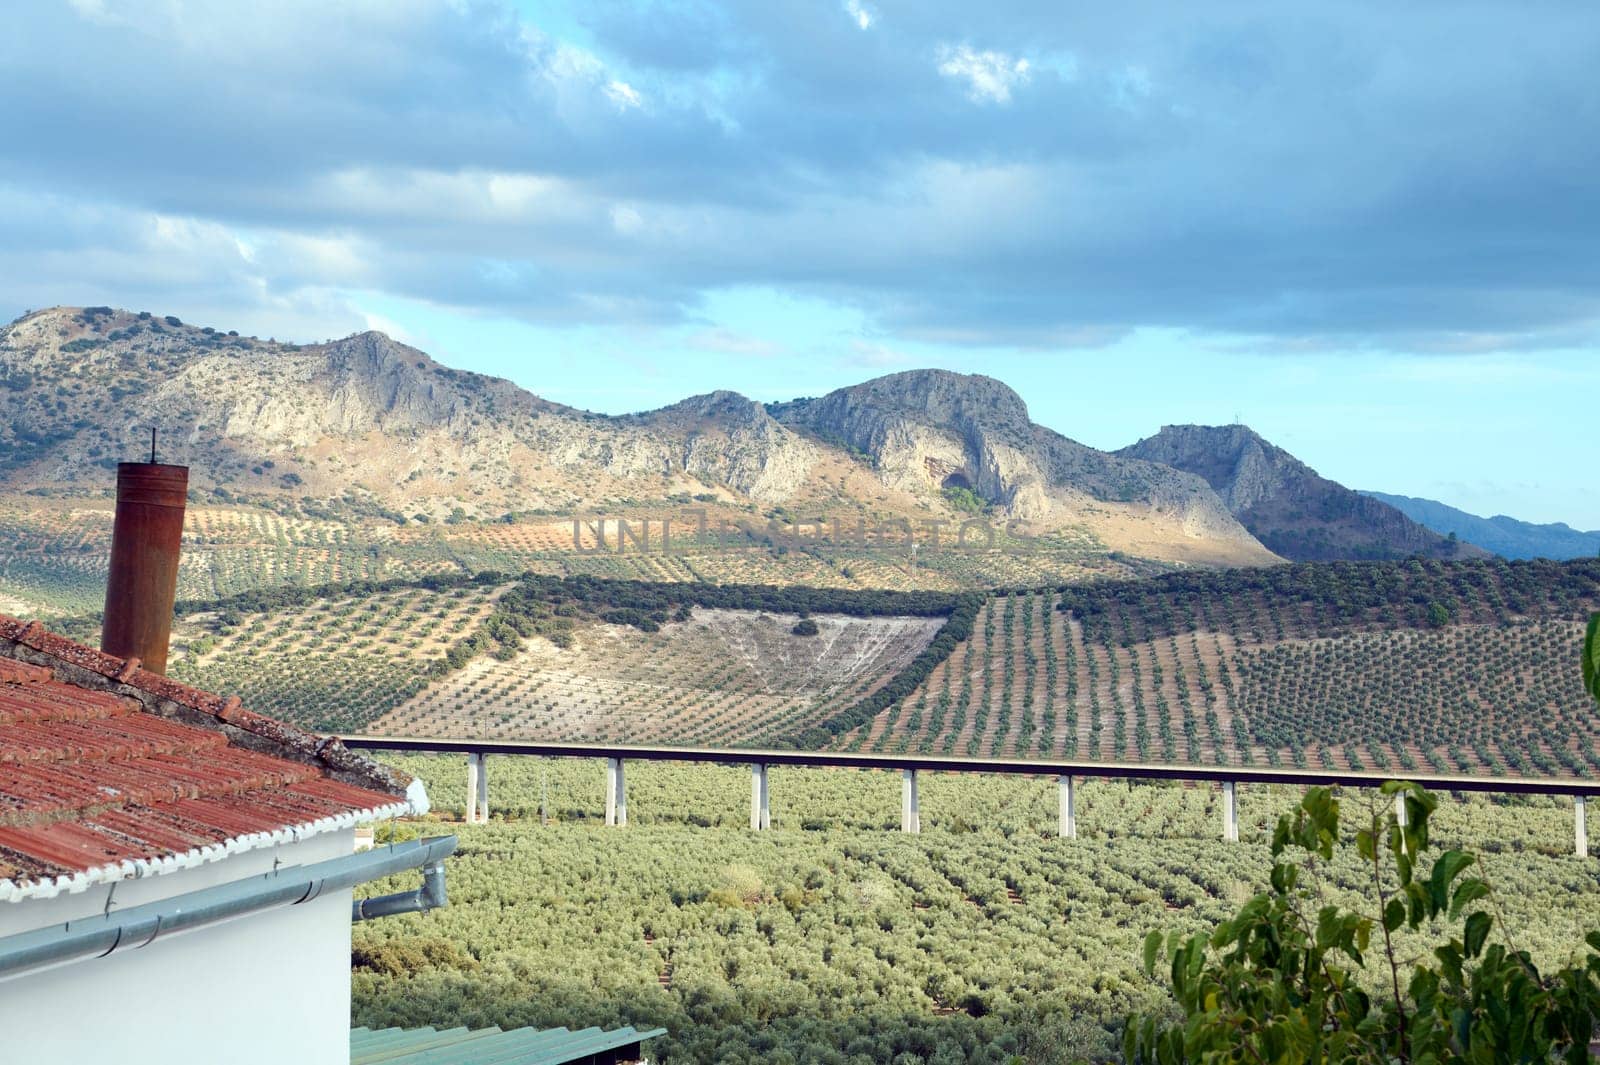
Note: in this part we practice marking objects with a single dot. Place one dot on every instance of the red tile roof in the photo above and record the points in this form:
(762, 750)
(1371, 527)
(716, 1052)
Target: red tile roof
(109, 771)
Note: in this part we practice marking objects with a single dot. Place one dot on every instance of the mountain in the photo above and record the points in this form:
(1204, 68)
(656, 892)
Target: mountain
(369, 422)
(930, 431)
(363, 418)
(1286, 504)
(1505, 536)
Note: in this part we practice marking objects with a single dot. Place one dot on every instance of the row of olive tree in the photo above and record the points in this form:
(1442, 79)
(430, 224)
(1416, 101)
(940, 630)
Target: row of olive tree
(1296, 978)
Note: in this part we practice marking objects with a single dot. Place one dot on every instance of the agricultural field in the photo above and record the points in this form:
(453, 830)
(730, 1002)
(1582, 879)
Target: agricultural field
(723, 677)
(1326, 668)
(552, 656)
(329, 664)
(1482, 681)
(54, 551)
(831, 940)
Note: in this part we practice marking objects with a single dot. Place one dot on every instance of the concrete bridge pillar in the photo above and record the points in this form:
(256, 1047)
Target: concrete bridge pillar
(1068, 828)
(910, 812)
(616, 793)
(477, 788)
(1400, 809)
(1580, 826)
(1230, 812)
(760, 802)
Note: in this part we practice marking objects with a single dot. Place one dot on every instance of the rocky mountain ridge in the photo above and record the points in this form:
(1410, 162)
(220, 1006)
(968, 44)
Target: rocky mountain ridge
(1287, 505)
(371, 421)
(930, 430)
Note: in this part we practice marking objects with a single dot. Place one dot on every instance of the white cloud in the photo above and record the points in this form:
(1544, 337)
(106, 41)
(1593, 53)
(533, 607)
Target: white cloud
(731, 342)
(95, 11)
(990, 76)
(859, 13)
(390, 328)
(626, 220)
(875, 355)
(622, 94)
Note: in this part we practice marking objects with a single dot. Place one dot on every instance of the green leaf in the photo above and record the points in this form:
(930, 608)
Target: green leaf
(1152, 946)
(1445, 870)
(1591, 657)
(1394, 915)
(1477, 932)
(1468, 891)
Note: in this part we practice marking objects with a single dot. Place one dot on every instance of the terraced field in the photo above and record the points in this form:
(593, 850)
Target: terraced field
(53, 554)
(722, 677)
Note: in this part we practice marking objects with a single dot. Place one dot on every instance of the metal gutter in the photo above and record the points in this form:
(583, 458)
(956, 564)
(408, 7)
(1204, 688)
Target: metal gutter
(139, 926)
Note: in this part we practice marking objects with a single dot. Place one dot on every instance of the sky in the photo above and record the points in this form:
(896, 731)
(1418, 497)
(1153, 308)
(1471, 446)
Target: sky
(1369, 231)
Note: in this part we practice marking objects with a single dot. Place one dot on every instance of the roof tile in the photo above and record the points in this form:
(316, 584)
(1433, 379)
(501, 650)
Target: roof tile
(91, 777)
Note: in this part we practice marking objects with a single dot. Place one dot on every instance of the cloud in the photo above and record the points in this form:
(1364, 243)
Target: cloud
(876, 356)
(623, 95)
(1329, 179)
(731, 342)
(990, 76)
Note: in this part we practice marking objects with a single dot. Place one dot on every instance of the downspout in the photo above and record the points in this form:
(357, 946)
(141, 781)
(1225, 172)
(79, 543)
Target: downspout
(427, 897)
(139, 926)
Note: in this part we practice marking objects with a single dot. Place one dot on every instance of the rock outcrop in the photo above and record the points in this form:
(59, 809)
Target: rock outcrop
(1291, 508)
(928, 430)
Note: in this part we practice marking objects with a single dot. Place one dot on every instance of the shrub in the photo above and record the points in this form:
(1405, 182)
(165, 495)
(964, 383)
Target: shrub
(1287, 979)
(805, 627)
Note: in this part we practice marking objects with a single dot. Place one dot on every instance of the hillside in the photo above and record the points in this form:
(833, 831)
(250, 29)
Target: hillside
(1451, 666)
(367, 427)
(1505, 536)
(1286, 504)
(1439, 666)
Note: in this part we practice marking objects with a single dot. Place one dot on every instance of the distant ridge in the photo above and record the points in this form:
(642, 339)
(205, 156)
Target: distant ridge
(1286, 504)
(1505, 536)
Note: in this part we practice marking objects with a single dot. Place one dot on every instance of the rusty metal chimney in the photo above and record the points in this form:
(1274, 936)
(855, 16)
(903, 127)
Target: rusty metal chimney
(145, 543)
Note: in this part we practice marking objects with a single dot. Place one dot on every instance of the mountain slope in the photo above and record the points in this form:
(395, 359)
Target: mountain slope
(1289, 507)
(372, 423)
(364, 416)
(931, 430)
(1505, 536)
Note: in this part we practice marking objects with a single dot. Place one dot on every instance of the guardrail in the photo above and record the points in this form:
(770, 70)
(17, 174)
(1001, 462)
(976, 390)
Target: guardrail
(909, 765)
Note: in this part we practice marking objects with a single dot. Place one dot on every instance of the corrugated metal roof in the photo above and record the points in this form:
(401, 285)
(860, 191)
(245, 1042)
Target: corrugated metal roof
(491, 1046)
(94, 785)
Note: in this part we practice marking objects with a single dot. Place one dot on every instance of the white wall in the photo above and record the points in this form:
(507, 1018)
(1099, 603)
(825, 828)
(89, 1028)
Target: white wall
(267, 988)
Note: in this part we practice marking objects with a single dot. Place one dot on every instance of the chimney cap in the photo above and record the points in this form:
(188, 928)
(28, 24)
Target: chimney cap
(152, 466)
(152, 483)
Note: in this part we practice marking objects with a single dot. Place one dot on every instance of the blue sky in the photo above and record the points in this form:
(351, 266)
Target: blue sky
(1369, 231)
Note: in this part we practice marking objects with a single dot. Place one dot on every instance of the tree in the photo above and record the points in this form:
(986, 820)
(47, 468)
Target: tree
(1591, 657)
(1287, 979)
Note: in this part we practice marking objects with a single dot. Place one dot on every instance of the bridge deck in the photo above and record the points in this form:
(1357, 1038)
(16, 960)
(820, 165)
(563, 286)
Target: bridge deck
(955, 764)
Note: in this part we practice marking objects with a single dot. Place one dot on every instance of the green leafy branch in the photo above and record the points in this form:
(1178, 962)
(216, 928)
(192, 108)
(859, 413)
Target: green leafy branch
(1287, 981)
